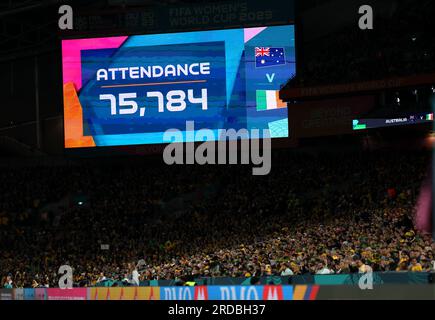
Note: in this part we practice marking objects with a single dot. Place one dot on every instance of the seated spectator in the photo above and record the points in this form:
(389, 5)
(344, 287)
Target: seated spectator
(415, 266)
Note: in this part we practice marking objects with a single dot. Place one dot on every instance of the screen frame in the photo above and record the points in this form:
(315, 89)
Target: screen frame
(157, 148)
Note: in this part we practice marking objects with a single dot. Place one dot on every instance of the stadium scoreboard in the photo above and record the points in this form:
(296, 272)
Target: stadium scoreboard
(130, 90)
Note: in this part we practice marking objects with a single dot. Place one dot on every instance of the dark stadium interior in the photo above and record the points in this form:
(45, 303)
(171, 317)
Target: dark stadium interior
(336, 202)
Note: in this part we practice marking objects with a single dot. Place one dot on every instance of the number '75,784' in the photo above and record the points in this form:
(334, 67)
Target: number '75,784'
(175, 101)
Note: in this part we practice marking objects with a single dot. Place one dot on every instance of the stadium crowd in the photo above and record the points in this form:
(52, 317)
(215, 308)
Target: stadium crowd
(310, 215)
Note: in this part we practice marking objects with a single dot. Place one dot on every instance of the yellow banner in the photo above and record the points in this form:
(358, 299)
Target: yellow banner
(121, 293)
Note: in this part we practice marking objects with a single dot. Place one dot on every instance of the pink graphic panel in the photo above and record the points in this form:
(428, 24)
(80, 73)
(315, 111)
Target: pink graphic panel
(252, 32)
(67, 294)
(71, 53)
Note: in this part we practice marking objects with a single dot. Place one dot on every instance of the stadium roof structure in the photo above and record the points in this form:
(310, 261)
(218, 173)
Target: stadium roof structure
(30, 27)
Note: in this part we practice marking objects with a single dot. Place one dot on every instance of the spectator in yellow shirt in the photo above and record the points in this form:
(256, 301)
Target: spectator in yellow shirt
(415, 266)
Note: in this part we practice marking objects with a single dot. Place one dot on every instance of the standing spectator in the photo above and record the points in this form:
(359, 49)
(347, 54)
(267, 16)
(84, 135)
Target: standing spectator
(8, 284)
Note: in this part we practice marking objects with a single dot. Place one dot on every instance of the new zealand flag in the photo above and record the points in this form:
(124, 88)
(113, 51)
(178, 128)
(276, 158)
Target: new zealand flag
(268, 57)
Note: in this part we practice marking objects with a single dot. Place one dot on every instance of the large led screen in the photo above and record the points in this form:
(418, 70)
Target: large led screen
(131, 90)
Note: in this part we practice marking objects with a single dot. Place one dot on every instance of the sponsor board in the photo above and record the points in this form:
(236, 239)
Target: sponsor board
(40, 294)
(18, 294)
(176, 17)
(29, 294)
(240, 293)
(219, 293)
(67, 294)
(124, 293)
(177, 293)
(6, 294)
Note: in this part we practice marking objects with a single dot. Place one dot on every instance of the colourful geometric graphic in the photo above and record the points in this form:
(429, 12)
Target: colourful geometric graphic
(279, 128)
(73, 120)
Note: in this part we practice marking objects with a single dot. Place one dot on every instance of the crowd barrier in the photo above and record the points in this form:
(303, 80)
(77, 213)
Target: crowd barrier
(227, 293)
(335, 279)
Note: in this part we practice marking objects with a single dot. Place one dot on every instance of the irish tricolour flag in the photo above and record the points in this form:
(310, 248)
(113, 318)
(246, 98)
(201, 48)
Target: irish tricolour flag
(269, 100)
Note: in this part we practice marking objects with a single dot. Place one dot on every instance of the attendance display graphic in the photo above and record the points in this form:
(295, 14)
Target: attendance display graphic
(131, 90)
